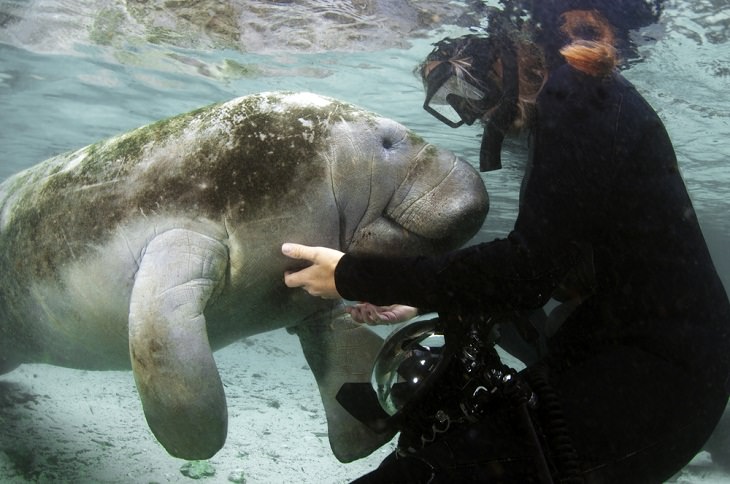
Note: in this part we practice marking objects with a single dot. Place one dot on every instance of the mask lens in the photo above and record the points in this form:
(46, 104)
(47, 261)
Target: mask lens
(460, 84)
(458, 101)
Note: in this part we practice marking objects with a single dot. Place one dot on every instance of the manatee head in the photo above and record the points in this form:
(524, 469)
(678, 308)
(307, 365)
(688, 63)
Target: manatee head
(396, 192)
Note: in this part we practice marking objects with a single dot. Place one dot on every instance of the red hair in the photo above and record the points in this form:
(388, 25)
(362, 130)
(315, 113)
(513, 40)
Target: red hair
(591, 49)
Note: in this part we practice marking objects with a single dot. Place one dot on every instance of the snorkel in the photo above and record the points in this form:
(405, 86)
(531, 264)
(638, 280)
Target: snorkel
(503, 116)
(501, 119)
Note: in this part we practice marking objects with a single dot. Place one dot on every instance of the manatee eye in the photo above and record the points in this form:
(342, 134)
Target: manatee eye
(387, 143)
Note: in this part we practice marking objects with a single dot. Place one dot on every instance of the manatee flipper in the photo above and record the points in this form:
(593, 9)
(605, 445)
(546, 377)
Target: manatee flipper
(340, 351)
(176, 376)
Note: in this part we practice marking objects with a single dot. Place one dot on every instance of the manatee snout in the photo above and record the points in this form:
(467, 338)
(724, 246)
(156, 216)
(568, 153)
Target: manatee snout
(452, 207)
(462, 202)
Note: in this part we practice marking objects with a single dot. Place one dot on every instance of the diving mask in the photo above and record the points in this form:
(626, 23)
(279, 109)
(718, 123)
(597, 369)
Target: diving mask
(459, 82)
(461, 87)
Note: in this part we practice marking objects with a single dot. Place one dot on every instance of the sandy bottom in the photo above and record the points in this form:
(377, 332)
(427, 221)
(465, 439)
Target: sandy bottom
(61, 425)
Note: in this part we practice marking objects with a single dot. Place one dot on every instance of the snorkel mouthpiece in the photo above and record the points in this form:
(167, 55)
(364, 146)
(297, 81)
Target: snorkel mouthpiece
(490, 152)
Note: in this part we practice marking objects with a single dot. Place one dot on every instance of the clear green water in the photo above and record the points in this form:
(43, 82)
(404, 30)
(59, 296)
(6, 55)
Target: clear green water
(54, 102)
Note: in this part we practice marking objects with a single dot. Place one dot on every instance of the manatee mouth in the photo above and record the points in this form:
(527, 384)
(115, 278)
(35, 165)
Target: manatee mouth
(440, 204)
(386, 237)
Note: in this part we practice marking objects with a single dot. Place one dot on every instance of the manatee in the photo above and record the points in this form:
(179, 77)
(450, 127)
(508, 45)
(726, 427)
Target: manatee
(154, 248)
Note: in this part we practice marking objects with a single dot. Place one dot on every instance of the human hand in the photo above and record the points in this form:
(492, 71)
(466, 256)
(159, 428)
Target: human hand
(367, 313)
(319, 278)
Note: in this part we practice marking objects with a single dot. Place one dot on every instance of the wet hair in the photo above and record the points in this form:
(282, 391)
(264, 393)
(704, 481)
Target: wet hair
(594, 58)
(586, 25)
(590, 47)
(481, 56)
(591, 42)
(531, 75)
(532, 71)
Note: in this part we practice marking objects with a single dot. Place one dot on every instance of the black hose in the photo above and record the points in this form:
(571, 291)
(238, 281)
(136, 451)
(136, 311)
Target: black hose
(555, 427)
(542, 465)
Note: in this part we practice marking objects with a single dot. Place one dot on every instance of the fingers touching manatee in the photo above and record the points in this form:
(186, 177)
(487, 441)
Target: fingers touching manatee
(366, 313)
(177, 379)
(318, 279)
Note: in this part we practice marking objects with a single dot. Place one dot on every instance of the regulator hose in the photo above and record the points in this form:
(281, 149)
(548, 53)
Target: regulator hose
(554, 426)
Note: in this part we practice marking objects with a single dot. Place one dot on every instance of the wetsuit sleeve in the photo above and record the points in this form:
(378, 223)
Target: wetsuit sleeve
(494, 276)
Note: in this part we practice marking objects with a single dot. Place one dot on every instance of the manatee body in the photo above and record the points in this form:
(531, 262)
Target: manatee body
(153, 248)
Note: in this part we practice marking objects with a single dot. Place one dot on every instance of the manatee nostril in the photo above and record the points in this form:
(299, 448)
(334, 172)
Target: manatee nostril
(387, 143)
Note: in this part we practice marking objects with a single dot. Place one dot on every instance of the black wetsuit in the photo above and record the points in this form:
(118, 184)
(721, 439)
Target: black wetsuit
(641, 366)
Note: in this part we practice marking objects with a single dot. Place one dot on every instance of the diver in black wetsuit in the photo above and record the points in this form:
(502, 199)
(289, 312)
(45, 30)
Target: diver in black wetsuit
(636, 377)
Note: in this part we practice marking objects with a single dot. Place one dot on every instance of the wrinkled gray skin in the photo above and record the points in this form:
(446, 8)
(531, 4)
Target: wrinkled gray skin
(160, 245)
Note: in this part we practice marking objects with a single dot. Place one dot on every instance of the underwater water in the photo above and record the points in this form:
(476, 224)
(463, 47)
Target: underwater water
(59, 94)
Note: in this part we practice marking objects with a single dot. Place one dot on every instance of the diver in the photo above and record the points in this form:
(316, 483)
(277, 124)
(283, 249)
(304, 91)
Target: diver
(634, 377)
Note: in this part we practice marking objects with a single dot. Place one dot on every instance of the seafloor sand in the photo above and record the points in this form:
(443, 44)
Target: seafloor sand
(61, 425)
